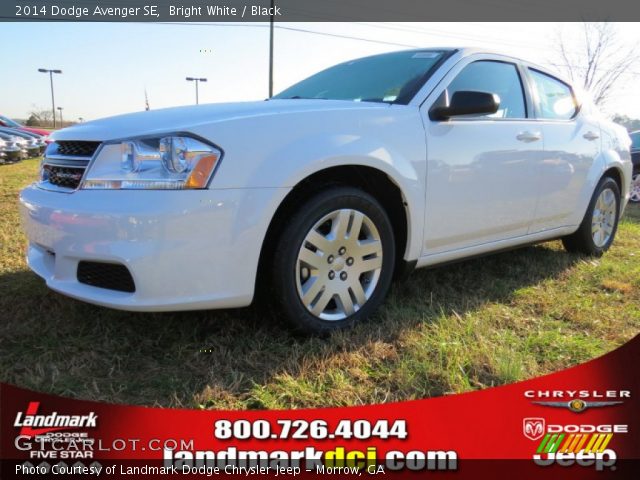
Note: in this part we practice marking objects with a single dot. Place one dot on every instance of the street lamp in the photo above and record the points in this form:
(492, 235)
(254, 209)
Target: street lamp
(197, 80)
(60, 110)
(53, 102)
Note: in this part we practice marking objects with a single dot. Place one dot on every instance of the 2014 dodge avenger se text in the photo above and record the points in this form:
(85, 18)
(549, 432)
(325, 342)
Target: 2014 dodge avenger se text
(324, 192)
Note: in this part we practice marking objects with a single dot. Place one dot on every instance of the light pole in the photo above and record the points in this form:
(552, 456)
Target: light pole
(60, 110)
(53, 102)
(197, 80)
(271, 27)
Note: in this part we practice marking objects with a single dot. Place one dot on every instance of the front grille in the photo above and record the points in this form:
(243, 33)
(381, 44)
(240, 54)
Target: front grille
(111, 276)
(65, 177)
(64, 164)
(77, 148)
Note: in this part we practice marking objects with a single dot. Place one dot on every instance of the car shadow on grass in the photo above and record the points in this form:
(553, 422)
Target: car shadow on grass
(55, 344)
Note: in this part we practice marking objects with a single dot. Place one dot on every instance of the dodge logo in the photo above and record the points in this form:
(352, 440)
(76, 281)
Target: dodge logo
(533, 428)
(67, 176)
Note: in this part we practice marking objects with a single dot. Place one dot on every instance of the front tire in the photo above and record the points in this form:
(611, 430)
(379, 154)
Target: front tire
(334, 261)
(598, 228)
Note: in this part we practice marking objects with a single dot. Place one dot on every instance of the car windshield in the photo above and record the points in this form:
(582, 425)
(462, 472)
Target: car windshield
(8, 122)
(635, 141)
(391, 77)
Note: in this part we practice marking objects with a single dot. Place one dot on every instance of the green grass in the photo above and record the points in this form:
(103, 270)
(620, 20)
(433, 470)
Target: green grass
(472, 325)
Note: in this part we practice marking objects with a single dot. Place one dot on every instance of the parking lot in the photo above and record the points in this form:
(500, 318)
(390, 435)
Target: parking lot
(472, 325)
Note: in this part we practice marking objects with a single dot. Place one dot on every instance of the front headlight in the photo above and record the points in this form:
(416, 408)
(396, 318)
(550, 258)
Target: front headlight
(173, 162)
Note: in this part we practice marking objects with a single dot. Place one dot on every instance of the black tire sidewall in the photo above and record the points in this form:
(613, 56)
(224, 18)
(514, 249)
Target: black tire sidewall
(290, 241)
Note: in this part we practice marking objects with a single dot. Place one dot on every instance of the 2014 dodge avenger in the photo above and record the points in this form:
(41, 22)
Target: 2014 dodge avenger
(321, 194)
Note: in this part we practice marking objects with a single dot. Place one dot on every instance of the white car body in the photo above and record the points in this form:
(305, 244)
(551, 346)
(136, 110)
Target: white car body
(469, 187)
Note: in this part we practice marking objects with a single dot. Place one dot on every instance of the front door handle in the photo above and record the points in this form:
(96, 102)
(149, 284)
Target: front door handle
(591, 136)
(529, 137)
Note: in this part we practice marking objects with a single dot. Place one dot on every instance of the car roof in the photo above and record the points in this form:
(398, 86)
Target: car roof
(468, 51)
(464, 51)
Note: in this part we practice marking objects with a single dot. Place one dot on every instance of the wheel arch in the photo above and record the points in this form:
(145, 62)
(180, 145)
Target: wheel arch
(616, 174)
(373, 181)
(607, 163)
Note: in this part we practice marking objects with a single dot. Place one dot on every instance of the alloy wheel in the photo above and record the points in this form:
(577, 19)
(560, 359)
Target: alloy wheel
(339, 264)
(604, 217)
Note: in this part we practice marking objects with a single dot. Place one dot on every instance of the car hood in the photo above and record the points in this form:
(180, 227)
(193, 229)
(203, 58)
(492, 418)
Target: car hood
(185, 119)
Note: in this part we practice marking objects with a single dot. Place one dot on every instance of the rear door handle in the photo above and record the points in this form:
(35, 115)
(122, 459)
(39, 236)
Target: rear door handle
(591, 136)
(528, 137)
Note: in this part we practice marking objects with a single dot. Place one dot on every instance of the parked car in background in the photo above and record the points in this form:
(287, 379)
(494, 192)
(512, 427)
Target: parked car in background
(29, 145)
(33, 143)
(3, 155)
(323, 193)
(11, 148)
(634, 195)
(7, 122)
(39, 139)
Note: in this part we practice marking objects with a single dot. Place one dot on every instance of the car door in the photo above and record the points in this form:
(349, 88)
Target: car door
(480, 184)
(571, 144)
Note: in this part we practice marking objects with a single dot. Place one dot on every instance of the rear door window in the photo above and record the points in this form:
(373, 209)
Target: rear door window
(554, 99)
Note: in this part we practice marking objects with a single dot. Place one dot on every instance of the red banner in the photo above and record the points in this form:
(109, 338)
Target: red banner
(582, 422)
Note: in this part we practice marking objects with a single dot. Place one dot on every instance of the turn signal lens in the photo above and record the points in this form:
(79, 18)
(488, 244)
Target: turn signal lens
(199, 176)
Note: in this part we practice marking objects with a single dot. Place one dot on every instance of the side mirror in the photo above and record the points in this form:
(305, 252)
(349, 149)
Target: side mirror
(465, 103)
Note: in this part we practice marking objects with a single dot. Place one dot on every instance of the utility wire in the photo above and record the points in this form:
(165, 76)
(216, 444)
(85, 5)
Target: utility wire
(442, 33)
(292, 29)
(337, 35)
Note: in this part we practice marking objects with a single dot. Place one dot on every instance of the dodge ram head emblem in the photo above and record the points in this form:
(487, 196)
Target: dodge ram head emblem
(533, 428)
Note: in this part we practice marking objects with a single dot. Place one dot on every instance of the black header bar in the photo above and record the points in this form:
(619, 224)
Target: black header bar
(319, 10)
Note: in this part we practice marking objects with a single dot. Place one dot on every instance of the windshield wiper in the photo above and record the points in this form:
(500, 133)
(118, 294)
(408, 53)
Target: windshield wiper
(376, 100)
(298, 97)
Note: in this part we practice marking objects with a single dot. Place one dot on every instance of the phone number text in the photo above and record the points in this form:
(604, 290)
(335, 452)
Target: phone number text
(305, 429)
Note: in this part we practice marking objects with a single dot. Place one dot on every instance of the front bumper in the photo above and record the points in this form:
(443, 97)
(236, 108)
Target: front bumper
(12, 155)
(32, 151)
(186, 250)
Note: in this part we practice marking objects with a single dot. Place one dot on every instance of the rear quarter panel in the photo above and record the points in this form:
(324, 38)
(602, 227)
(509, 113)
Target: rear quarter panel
(615, 153)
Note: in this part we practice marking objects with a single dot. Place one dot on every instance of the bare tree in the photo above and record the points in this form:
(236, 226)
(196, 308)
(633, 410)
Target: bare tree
(598, 60)
(40, 118)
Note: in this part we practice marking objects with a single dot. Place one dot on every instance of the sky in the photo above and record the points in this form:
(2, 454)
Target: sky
(108, 66)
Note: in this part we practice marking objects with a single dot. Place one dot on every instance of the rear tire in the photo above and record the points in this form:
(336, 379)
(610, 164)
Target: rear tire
(598, 228)
(334, 261)
(635, 188)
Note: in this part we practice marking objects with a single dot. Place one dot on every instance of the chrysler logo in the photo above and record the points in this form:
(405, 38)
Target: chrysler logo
(577, 405)
(533, 428)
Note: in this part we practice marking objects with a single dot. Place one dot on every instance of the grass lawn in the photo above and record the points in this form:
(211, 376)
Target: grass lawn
(473, 325)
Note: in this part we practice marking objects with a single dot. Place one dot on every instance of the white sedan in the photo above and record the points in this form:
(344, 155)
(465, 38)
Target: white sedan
(323, 193)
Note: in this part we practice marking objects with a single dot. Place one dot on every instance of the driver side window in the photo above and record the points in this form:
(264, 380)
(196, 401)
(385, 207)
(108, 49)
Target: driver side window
(496, 77)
